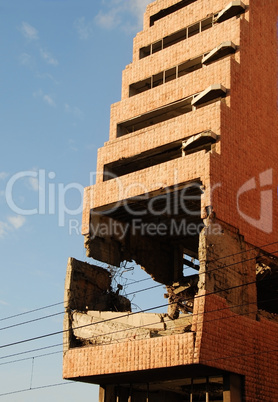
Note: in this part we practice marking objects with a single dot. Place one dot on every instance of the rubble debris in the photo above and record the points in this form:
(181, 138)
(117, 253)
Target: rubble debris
(180, 296)
(95, 327)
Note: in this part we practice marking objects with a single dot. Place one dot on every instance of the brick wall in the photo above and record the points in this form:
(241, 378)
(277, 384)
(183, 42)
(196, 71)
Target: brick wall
(241, 345)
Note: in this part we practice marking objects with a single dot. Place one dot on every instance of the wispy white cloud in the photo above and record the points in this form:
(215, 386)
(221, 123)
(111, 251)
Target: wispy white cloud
(110, 19)
(34, 183)
(72, 145)
(28, 31)
(3, 229)
(3, 175)
(116, 12)
(127, 14)
(47, 56)
(25, 59)
(4, 303)
(83, 28)
(74, 110)
(17, 221)
(12, 224)
(49, 99)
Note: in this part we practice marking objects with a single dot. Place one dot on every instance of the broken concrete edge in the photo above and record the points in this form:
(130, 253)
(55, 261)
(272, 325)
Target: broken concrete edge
(214, 277)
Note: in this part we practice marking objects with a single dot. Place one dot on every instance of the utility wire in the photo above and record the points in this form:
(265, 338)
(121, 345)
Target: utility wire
(63, 312)
(203, 361)
(32, 357)
(149, 324)
(142, 290)
(30, 351)
(31, 311)
(36, 388)
(31, 321)
(57, 304)
(142, 280)
(129, 314)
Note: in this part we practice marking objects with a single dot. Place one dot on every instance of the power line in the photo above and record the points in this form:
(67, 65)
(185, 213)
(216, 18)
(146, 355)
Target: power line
(57, 304)
(142, 290)
(149, 324)
(32, 350)
(36, 388)
(31, 311)
(31, 321)
(62, 312)
(203, 361)
(32, 357)
(129, 314)
(146, 279)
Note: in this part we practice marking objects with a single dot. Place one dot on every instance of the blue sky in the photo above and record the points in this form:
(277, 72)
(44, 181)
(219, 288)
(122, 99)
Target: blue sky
(60, 70)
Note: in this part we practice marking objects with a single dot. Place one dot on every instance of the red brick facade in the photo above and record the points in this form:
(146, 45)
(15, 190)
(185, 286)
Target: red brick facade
(235, 166)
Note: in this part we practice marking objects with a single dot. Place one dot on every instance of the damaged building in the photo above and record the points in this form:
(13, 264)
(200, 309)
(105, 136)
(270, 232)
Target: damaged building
(187, 178)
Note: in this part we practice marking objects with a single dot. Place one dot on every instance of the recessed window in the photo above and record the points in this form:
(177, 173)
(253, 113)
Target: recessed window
(156, 116)
(174, 38)
(267, 286)
(194, 29)
(156, 47)
(169, 10)
(145, 51)
(171, 110)
(140, 86)
(171, 74)
(234, 8)
(189, 66)
(157, 80)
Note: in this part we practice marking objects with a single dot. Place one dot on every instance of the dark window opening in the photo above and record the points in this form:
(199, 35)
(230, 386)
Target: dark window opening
(193, 29)
(172, 110)
(267, 286)
(167, 11)
(177, 37)
(166, 76)
(234, 8)
(142, 161)
(140, 86)
(174, 38)
(158, 79)
(156, 47)
(223, 50)
(145, 51)
(171, 74)
(211, 387)
(206, 24)
(190, 66)
(156, 238)
(154, 117)
(165, 153)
